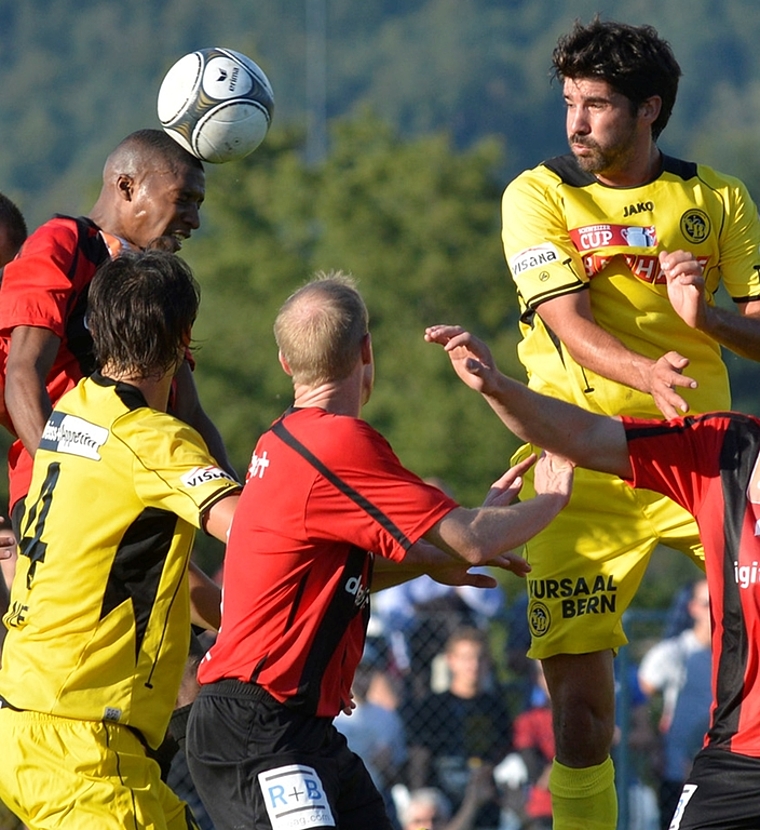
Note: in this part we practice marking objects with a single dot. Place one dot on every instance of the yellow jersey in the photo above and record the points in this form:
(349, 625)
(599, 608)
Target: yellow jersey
(99, 620)
(563, 232)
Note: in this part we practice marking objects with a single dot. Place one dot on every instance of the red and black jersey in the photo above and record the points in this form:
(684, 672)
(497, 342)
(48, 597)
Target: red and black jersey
(46, 287)
(710, 465)
(324, 494)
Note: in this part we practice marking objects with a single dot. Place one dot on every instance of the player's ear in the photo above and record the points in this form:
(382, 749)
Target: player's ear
(367, 349)
(126, 187)
(284, 364)
(650, 108)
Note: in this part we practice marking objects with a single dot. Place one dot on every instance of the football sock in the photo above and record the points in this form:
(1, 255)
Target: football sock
(585, 798)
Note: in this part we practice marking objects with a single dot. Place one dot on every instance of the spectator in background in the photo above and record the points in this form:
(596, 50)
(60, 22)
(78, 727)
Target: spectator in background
(679, 669)
(534, 741)
(455, 733)
(663, 666)
(375, 733)
(416, 618)
(427, 808)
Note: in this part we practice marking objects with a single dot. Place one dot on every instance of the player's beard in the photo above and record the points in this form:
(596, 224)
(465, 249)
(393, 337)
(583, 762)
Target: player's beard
(604, 160)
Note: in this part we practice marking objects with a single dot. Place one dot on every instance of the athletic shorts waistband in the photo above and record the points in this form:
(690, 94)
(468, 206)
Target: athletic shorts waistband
(232, 687)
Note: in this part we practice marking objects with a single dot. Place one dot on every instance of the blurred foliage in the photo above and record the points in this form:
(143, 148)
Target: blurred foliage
(417, 223)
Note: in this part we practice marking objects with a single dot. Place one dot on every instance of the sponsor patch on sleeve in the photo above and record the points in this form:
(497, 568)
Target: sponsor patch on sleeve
(537, 257)
(202, 475)
(295, 798)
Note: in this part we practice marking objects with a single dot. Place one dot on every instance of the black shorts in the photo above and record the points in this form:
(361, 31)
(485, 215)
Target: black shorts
(256, 763)
(721, 793)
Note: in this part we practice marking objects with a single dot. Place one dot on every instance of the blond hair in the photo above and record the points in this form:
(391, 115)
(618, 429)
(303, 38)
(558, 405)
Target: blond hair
(319, 329)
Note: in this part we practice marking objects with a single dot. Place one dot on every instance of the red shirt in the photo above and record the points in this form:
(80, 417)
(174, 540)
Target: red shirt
(709, 465)
(298, 564)
(46, 287)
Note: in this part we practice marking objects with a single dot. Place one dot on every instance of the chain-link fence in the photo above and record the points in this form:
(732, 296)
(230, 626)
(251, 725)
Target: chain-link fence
(449, 700)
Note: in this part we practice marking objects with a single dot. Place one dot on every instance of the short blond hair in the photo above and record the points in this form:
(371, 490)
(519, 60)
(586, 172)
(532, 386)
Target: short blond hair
(319, 328)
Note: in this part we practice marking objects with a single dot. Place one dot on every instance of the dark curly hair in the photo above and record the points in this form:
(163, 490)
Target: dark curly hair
(634, 60)
(140, 310)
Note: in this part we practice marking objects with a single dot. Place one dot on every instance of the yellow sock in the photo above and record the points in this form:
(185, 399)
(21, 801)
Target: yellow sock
(583, 799)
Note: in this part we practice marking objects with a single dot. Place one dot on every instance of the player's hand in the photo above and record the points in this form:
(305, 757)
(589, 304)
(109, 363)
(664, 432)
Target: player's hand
(505, 489)
(458, 573)
(7, 541)
(470, 357)
(554, 476)
(666, 375)
(686, 287)
(350, 706)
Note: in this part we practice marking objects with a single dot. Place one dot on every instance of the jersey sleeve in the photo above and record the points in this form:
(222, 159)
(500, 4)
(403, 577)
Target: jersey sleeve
(383, 507)
(173, 469)
(677, 458)
(37, 286)
(542, 259)
(740, 245)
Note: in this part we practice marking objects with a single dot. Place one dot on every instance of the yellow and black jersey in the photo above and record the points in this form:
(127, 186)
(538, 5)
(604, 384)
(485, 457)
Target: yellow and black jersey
(99, 620)
(563, 232)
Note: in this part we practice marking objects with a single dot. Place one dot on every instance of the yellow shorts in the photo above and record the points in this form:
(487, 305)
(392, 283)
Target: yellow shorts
(588, 563)
(71, 774)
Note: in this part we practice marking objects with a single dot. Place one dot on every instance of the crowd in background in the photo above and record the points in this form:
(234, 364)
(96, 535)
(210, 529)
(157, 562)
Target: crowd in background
(454, 722)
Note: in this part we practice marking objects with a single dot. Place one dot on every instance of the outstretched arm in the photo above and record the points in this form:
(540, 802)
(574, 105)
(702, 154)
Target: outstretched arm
(425, 558)
(570, 318)
(589, 440)
(480, 535)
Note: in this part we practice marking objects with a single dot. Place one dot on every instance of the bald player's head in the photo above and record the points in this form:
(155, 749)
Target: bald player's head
(151, 149)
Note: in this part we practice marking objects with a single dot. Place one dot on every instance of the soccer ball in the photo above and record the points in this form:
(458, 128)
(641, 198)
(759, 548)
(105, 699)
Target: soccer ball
(216, 103)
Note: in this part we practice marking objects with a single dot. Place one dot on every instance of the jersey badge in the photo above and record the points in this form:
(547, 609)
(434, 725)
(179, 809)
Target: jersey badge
(295, 798)
(72, 435)
(536, 257)
(695, 225)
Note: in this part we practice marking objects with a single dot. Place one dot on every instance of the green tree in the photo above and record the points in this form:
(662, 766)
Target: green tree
(417, 223)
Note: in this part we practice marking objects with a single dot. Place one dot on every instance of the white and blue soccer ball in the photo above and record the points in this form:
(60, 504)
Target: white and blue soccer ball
(217, 104)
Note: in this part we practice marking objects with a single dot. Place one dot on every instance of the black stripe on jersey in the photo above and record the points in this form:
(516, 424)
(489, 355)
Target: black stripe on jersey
(739, 452)
(566, 167)
(564, 291)
(92, 247)
(568, 170)
(129, 395)
(137, 567)
(678, 167)
(332, 628)
(281, 431)
(737, 460)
